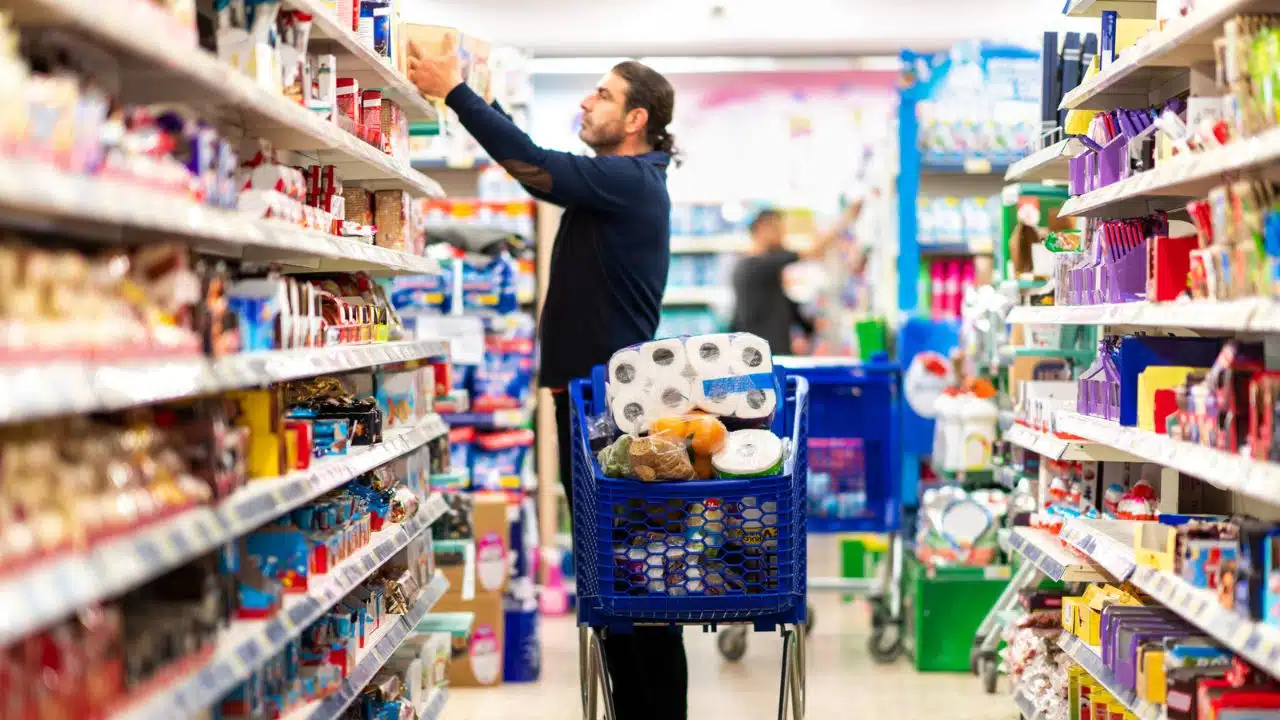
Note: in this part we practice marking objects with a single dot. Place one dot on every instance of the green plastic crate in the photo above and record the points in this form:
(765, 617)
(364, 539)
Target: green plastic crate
(944, 608)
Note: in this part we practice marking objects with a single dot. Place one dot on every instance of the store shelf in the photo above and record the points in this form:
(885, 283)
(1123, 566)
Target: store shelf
(1155, 67)
(1249, 315)
(957, 249)
(1025, 707)
(492, 419)
(95, 207)
(1258, 642)
(56, 588)
(1109, 543)
(359, 61)
(1049, 163)
(969, 166)
(1139, 9)
(715, 296)
(1190, 175)
(1229, 471)
(1044, 550)
(690, 244)
(38, 390)
(1057, 448)
(1088, 657)
(377, 652)
(248, 644)
(159, 65)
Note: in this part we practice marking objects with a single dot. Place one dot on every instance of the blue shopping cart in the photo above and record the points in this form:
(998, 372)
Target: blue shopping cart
(856, 481)
(706, 553)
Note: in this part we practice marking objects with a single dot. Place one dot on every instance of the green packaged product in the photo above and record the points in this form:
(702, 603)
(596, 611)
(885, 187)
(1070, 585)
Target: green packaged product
(615, 459)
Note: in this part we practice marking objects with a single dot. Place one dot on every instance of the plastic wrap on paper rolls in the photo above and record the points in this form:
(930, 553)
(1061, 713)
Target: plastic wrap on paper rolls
(727, 374)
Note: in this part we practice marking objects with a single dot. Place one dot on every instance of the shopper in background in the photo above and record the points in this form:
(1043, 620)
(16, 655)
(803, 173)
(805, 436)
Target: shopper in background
(608, 272)
(761, 305)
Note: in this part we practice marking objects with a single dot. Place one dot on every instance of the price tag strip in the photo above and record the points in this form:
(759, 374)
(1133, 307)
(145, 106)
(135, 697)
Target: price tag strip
(70, 387)
(1257, 642)
(248, 644)
(1088, 658)
(56, 588)
(375, 654)
(1047, 553)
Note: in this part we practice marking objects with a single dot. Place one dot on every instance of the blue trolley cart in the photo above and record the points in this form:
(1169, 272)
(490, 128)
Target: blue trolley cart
(708, 553)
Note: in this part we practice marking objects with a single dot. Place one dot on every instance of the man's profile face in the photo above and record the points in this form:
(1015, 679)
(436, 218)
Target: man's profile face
(604, 114)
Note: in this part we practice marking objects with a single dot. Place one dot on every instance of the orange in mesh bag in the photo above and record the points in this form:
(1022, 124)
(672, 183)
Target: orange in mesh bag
(704, 434)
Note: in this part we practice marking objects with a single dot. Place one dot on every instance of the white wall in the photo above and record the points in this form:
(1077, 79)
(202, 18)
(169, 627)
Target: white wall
(749, 27)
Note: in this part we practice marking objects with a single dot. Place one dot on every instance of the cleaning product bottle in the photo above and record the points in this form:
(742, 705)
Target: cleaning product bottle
(978, 417)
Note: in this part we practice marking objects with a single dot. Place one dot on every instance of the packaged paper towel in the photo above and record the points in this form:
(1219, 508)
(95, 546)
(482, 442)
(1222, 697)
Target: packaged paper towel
(727, 374)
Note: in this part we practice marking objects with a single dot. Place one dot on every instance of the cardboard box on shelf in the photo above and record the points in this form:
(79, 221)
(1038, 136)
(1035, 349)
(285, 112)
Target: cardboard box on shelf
(493, 538)
(478, 662)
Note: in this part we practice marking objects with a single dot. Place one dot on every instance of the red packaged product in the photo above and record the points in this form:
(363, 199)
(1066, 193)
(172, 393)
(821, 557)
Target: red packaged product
(349, 99)
(371, 113)
(443, 378)
(298, 437)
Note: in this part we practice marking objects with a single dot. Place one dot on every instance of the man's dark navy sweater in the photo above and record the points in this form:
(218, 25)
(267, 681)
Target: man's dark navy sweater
(613, 248)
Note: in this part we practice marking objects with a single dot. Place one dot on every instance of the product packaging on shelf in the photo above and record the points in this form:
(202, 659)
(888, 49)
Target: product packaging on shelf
(498, 459)
(477, 658)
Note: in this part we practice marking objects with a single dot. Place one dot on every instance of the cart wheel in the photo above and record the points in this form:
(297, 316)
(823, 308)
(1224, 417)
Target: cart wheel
(990, 673)
(732, 642)
(974, 653)
(810, 619)
(880, 615)
(886, 644)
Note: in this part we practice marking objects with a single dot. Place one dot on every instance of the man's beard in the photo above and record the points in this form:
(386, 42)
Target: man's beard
(603, 141)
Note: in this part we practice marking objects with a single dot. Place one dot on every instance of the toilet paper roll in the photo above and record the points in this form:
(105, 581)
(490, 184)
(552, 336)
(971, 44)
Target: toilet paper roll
(663, 358)
(756, 404)
(624, 371)
(717, 404)
(670, 394)
(709, 355)
(631, 410)
(750, 354)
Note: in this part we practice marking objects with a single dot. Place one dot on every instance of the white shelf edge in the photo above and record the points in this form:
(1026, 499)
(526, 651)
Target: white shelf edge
(395, 85)
(38, 189)
(1112, 554)
(1044, 550)
(724, 243)
(1049, 163)
(1256, 641)
(248, 644)
(1141, 9)
(1056, 448)
(1151, 49)
(714, 296)
(147, 33)
(1245, 315)
(1088, 658)
(374, 656)
(1228, 471)
(100, 386)
(67, 583)
(1184, 175)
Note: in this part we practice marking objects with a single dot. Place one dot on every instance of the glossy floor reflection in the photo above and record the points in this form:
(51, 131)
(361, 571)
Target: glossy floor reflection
(843, 681)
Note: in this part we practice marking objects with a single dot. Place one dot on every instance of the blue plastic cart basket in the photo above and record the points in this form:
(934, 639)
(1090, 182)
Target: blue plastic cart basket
(701, 552)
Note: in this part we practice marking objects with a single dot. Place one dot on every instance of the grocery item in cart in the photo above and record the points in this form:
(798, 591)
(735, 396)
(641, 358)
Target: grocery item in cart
(749, 453)
(728, 375)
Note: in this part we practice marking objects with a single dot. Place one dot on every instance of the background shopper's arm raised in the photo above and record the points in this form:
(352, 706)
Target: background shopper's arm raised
(606, 183)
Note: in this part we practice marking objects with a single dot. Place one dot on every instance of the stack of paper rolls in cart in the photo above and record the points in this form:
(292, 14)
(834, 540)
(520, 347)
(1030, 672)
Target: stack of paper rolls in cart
(689, 470)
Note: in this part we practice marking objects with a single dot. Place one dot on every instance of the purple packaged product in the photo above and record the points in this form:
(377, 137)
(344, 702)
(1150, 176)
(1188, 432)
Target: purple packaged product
(1111, 655)
(1129, 640)
(1115, 614)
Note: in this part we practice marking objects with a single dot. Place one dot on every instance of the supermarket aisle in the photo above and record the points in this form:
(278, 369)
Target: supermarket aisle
(843, 681)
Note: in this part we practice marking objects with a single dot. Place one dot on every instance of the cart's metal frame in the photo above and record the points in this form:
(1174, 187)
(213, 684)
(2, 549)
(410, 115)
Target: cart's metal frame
(594, 681)
(883, 592)
(984, 661)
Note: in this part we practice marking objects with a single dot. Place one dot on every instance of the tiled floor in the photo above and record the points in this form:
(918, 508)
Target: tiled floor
(843, 681)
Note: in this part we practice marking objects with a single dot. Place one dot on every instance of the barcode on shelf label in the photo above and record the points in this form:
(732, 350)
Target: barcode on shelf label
(276, 633)
(180, 542)
(249, 653)
(299, 614)
(149, 552)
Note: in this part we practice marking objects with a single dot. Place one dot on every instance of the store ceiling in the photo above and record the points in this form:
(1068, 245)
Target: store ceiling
(738, 27)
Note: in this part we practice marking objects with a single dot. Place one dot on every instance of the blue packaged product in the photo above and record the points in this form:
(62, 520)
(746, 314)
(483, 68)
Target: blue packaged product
(461, 440)
(503, 381)
(498, 459)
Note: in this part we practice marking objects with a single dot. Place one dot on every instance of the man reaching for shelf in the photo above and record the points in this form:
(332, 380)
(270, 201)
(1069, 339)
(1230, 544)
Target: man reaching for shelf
(608, 271)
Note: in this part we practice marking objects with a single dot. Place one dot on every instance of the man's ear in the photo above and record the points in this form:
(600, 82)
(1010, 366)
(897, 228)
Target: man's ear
(637, 119)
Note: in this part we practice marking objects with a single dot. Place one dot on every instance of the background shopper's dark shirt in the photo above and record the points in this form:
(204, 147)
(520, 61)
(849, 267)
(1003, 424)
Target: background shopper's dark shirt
(761, 307)
(612, 251)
